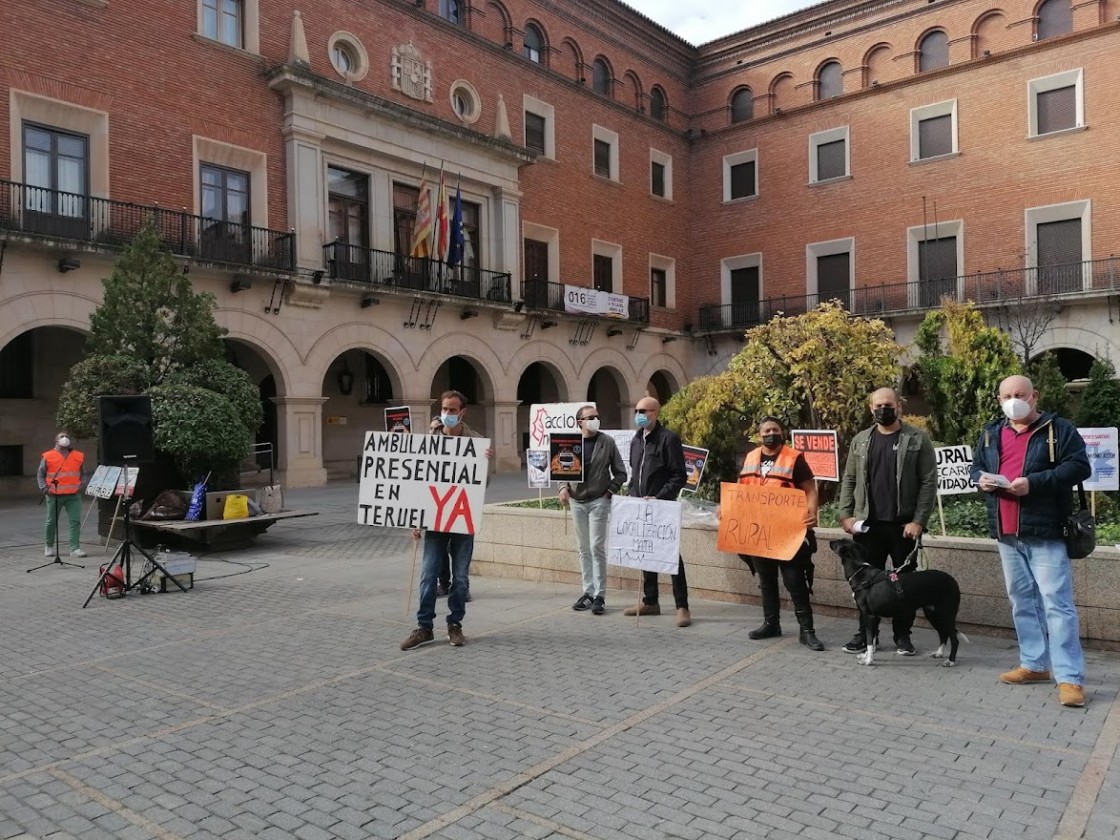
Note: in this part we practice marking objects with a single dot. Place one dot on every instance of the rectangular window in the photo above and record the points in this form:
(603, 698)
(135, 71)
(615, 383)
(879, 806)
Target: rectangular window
(657, 287)
(603, 273)
(831, 160)
(744, 296)
(1057, 109)
(743, 180)
(223, 20)
(603, 158)
(56, 172)
(935, 136)
(937, 270)
(535, 132)
(657, 179)
(1059, 257)
(224, 197)
(834, 278)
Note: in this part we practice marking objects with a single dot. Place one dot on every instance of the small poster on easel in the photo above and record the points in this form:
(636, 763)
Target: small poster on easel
(104, 481)
(126, 484)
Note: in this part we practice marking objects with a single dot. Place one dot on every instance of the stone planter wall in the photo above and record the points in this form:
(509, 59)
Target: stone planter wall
(539, 545)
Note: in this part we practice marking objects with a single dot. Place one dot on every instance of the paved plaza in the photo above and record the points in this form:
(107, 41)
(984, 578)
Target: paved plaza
(273, 702)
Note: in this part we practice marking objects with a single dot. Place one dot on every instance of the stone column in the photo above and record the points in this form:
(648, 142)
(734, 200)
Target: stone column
(507, 236)
(300, 431)
(306, 195)
(506, 436)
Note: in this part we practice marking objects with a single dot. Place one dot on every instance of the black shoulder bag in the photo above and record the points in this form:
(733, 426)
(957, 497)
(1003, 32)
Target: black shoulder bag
(1080, 530)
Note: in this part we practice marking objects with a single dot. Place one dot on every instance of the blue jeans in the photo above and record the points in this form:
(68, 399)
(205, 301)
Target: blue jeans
(591, 520)
(437, 546)
(1039, 578)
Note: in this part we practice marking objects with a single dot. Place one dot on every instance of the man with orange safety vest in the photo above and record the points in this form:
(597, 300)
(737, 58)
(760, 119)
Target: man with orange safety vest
(60, 477)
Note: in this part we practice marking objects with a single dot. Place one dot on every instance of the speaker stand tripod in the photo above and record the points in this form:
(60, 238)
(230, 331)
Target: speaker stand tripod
(123, 558)
(57, 561)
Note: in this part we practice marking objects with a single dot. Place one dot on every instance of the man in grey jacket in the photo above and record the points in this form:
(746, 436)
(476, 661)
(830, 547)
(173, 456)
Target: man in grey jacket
(604, 471)
(889, 488)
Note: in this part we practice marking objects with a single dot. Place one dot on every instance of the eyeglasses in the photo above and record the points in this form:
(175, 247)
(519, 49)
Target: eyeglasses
(646, 410)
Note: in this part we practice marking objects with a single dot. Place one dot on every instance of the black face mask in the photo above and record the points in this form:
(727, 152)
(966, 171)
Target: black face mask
(771, 441)
(885, 416)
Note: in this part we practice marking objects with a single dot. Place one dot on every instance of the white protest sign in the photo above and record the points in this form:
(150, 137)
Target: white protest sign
(622, 439)
(104, 481)
(644, 534)
(434, 482)
(953, 464)
(1101, 447)
(536, 463)
(546, 418)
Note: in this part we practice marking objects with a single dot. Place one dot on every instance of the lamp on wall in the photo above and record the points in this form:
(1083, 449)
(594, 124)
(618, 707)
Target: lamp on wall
(368, 301)
(317, 276)
(240, 284)
(518, 306)
(66, 264)
(668, 339)
(345, 379)
(613, 331)
(468, 313)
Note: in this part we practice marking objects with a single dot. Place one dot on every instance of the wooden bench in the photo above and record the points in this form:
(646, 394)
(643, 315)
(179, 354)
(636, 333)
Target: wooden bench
(214, 533)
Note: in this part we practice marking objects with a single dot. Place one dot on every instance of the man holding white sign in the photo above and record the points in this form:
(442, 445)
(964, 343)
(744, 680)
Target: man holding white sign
(657, 472)
(453, 474)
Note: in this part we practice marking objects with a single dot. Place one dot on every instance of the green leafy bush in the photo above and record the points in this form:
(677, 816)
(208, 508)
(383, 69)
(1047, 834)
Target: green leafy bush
(200, 427)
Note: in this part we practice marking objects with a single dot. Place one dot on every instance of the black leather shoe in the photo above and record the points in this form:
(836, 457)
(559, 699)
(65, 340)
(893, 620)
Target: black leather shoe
(810, 640)
(767, 630)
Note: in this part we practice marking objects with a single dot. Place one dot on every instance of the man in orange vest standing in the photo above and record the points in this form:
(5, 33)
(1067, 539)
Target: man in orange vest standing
(60, 477)
(775, 464)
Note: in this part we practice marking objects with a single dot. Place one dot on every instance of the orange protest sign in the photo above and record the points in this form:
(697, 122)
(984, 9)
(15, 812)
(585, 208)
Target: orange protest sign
(761, 521)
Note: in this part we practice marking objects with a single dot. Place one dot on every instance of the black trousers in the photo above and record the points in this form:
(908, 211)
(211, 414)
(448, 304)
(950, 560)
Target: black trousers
(680, 587)
(793, 576)
(883, 540)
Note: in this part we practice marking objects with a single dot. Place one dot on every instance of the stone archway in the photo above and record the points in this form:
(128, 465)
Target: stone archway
(662, 385)
(607, 389)
(540, 382)
(463, 374)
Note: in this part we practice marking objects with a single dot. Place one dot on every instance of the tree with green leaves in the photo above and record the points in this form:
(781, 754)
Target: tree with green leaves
(961, 364)
(1047, 377)
(815, 370)
(1100, 405)
(154, 334)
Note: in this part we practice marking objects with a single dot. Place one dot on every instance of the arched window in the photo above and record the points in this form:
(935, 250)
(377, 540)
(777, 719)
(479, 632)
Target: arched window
(830, 80)
(657, 106)
(742, 105)
(1055, 17)
(533, 43)
(933, 51)
(450, 10)
(601, 77)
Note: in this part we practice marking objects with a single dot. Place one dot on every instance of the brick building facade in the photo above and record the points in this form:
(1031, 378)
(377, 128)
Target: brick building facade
(884, 153)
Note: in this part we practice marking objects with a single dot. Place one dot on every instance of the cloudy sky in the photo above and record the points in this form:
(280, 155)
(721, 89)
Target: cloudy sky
(699, 23)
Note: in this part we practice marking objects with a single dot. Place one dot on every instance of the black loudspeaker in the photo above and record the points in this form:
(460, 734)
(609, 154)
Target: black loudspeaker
(126, 430)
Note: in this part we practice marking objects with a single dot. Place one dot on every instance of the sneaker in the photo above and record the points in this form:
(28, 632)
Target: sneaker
(1020, 676)
(644, 609)
(856, 645)
(583, 603)
(598, 606)
(455, 635)
(441, 590)
(77, 552)
(48, 551)
(419, 636)
(1071, 695)
(905, 646)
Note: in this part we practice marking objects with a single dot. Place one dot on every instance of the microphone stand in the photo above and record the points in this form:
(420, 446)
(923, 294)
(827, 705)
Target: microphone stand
(57, 556)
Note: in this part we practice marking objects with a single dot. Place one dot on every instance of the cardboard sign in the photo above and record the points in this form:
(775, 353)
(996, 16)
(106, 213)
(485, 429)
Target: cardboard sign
(821, 450)
(433, 482)
(622, 439)
(953, 464)
(645, 534)
(126, 483)
(546, 418)
(761, 521)
(1100, 446)
(565, 457)
(104, 481)
(694, 460)
(401, 415)
(536, 464)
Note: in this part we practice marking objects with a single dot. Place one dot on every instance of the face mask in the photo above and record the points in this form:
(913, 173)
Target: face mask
(641, 420)
(771, 441)
(885, 416)
(449, 420)
(64, 442)
(591, 425)
(1016, 409)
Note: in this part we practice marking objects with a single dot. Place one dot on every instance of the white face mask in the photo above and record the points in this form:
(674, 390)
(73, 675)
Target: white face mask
(64, 442)
(1016, 409)
(591, 425)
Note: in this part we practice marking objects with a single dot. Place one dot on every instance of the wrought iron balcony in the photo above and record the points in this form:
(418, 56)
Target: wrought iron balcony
(985, 289)
(540, 294)
(101, 223)
(370, 267)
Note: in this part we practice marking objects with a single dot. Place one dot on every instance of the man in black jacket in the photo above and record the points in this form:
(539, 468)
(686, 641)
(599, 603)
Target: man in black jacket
(657, 471)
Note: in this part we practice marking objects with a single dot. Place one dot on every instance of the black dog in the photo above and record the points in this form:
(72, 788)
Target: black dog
(882, 594)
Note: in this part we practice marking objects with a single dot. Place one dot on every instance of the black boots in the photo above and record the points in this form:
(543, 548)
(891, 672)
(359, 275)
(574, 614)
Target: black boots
(767, 630)
(808, 637)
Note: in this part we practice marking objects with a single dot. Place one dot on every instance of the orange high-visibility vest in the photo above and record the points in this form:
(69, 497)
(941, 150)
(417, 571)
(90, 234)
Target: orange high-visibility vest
(64, 469)
(781, 471)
